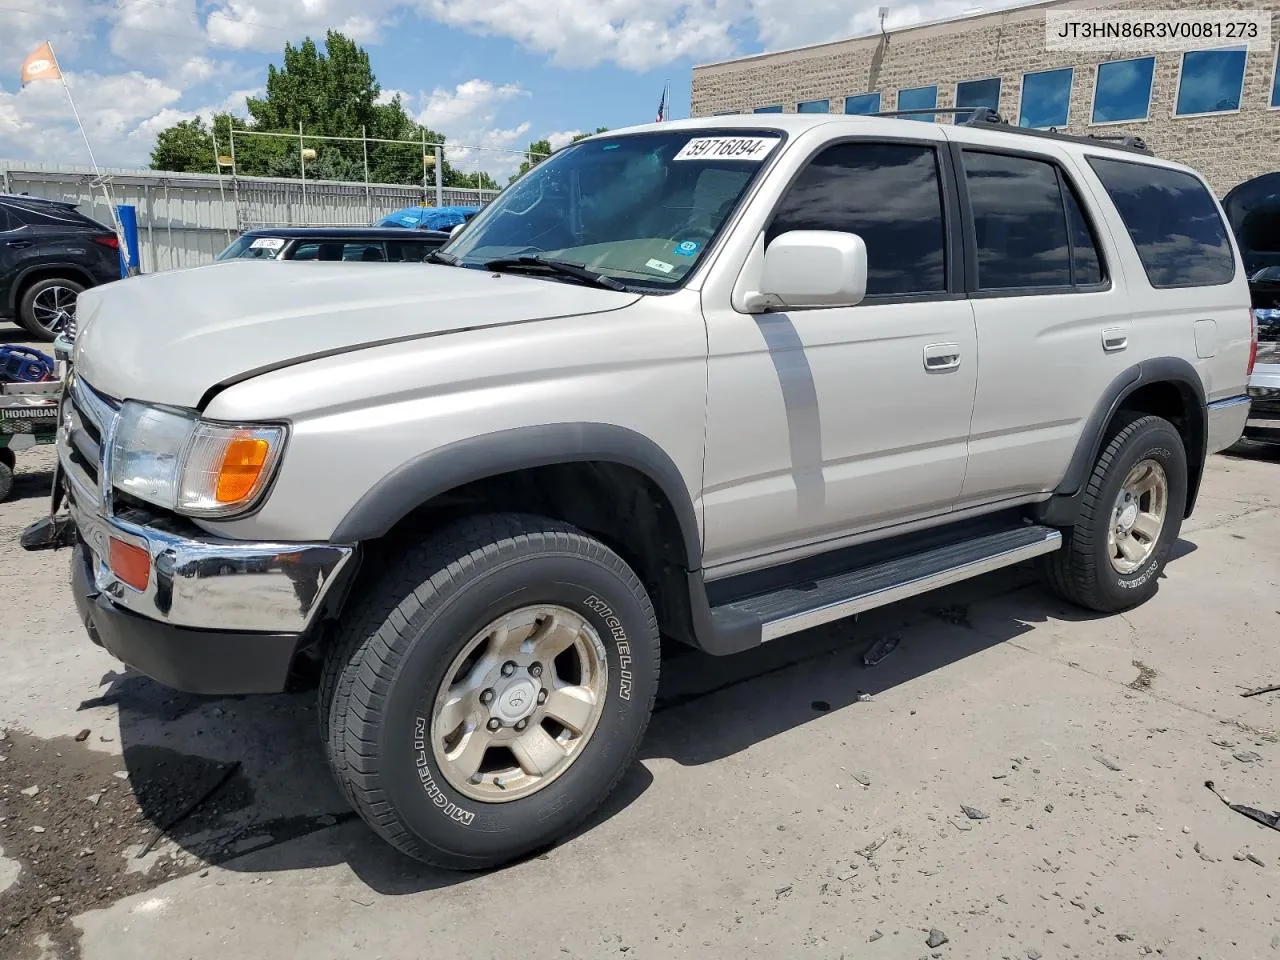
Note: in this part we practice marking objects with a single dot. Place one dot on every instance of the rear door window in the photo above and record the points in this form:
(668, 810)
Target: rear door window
(1029, 228)
(1173, 222)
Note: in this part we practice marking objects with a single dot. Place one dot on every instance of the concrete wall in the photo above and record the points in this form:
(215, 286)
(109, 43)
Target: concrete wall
(185, 219)
(1226, 148)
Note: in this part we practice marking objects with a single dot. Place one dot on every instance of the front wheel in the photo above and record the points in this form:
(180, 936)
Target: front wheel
(1129, 518)
(491, 690)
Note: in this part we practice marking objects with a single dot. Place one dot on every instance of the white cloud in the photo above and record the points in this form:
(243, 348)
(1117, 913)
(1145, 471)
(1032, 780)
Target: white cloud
(468, 116)
(64, 22)
(562, 138)
(267, 25)
(37, 123)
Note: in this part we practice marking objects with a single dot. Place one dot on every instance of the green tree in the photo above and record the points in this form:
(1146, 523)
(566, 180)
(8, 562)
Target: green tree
(186, 146)
(332, 93)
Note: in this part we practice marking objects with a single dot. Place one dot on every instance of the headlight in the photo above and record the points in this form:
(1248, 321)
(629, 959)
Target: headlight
(195, 467)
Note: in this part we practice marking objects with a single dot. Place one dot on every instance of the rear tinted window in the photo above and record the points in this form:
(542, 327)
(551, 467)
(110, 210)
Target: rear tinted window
(38, 214)
(1172, 220)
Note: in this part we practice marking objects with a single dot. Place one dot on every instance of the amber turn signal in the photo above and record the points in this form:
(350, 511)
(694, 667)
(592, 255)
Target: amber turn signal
(131, 564)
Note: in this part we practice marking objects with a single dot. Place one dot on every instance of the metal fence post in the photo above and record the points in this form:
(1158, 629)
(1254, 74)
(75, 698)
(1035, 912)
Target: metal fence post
(439, 176)
(368, 197)
(302, 159)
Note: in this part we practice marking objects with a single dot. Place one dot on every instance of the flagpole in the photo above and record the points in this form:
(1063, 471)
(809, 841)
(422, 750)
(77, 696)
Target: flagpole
(97, 171)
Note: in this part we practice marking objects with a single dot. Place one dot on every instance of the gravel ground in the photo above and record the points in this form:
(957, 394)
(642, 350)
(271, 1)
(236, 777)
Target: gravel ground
(1013, 779)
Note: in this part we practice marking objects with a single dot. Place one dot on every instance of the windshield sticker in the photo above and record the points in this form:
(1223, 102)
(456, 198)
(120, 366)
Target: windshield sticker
(267, 243)
(727, 148)
(687, 249)
(661, 266)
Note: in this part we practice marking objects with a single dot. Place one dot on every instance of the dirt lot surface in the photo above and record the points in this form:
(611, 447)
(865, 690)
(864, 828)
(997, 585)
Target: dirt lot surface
(1015, 779)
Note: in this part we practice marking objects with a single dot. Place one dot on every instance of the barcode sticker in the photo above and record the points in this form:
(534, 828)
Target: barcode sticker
(753, 149)
(267, 243)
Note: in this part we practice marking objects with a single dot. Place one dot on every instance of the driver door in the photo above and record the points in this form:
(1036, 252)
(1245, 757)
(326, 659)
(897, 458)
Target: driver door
(828, 422)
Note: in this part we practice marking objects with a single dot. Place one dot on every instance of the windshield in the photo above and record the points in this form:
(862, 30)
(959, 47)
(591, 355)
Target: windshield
(641, 208)
(253, 248)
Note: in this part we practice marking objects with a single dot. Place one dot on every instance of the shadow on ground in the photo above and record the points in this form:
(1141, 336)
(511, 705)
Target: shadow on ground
(275, 785)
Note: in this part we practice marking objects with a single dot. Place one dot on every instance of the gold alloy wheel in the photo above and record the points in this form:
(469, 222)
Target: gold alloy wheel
(519, 703)
(1138, 517)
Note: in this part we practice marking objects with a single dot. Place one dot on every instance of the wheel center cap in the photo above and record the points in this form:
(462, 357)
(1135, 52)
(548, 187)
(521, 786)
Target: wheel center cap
(517, 701)
(1127, 516)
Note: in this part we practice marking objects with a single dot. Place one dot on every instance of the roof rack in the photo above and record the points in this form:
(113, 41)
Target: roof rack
(986, 117)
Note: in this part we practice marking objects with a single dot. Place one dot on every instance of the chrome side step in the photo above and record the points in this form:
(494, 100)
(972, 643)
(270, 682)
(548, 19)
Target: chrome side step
(800, 607)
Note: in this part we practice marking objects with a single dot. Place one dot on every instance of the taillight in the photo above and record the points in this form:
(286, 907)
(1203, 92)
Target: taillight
(108, 240)
(1253, 342)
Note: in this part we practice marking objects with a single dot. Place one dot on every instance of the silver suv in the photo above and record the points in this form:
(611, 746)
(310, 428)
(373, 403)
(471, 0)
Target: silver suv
(717, 380)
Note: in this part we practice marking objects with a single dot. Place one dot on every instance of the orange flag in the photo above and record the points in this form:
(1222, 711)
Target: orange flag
(41, 65)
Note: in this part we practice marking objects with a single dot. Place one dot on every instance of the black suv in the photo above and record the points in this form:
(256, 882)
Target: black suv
(49, 252)
(353, 244)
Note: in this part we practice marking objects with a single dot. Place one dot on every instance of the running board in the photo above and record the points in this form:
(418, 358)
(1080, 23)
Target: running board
(801, 607)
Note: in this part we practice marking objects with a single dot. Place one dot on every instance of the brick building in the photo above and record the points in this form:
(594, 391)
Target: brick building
(1216, 109)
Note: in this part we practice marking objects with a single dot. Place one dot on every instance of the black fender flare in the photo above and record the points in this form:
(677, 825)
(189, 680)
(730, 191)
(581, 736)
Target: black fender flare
(71, 271)
(445, 468)
(1061, 508)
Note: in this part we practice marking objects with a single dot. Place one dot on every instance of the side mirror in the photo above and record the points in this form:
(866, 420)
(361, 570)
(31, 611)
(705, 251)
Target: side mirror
(812, 268)
(453, 232)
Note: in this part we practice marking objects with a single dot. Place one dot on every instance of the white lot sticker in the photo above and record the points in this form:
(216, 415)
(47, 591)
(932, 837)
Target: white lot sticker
(753, 149)
(661, 265)
(267, 243)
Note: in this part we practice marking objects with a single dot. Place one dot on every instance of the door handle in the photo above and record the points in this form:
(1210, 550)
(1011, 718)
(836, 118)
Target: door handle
(18, 244)
(1114, 339)
(941, 356)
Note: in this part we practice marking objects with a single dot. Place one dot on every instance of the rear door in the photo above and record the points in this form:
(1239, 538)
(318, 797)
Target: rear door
(1052, 320)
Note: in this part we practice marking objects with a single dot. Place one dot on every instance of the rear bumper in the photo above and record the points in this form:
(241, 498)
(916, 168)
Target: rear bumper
(1226, 420)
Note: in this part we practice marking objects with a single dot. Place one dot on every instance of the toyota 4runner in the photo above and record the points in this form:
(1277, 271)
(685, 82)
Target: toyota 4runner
(718, 380)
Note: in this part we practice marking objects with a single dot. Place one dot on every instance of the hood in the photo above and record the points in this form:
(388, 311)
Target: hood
(169, 337)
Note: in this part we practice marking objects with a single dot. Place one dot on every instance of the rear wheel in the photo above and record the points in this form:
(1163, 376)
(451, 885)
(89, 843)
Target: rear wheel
(491, 690)
(1129, 518)
(47, 306)
(6, 476)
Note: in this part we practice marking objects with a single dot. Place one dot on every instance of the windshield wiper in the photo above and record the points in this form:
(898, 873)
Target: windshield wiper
(439, 256)
(562, 267)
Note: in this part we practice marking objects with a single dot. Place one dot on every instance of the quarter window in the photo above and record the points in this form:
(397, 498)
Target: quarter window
(977, 93)
(774, 108)
(1173, 222)
(814, 106)
(1122, 90)
(862, 103)
(1046, 98)
(890, 196)
(1211, 81)
(918, 98)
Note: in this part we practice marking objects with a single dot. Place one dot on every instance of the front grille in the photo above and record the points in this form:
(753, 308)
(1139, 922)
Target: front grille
(87, 420)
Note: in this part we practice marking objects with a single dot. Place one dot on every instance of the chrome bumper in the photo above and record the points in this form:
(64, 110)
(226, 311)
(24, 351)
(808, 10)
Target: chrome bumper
(1226, 422)
(195, 581)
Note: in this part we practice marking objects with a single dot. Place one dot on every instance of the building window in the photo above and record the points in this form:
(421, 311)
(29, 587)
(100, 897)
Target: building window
(845, 188)
(813, 106)
(1173, 222)
(1275, 81)
(1211, 81)
(862, 103)
(1046, 98)
(775, 108)
(977, 93)
(1122, 90)
(918, 98)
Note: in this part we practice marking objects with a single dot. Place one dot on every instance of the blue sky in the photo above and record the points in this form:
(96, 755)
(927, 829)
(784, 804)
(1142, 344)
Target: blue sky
(493, 75)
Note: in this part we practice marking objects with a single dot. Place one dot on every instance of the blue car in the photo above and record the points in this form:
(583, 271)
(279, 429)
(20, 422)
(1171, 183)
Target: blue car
(428, 218)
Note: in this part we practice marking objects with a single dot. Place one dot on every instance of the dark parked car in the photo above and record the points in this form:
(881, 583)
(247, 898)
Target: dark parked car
(1263, 424)
(49, 252)
(359, 244)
